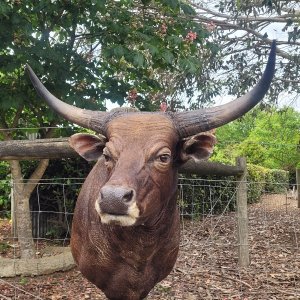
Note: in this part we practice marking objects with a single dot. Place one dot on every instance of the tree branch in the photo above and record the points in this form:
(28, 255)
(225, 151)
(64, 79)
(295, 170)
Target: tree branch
(35, 177)
(250, 19)
(16, 170)
(231, 22)
(17, 117)
(4, 126)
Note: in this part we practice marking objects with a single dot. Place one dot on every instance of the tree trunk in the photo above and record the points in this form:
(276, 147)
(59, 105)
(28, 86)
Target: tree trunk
(22, 213)
(22, 192)
(24, 226)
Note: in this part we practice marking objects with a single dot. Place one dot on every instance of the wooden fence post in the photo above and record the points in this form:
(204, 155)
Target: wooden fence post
(298, 185)
(242, 214)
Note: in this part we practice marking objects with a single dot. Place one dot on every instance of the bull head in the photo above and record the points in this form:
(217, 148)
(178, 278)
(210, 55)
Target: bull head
(163, 142)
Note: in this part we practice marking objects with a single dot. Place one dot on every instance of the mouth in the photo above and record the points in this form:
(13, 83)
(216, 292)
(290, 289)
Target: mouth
(122, 220)
(114, 214)
(128, 219)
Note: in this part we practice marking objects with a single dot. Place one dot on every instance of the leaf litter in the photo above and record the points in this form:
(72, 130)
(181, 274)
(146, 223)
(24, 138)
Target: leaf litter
(207, 265)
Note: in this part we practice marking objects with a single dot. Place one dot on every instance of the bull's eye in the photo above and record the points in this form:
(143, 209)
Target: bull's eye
(106, 157)
(165, 158)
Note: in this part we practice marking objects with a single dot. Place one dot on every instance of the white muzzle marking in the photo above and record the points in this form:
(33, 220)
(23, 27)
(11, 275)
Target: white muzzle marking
(122, 220)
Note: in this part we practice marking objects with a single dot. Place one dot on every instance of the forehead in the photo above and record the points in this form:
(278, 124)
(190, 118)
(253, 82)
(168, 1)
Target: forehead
(141, 128)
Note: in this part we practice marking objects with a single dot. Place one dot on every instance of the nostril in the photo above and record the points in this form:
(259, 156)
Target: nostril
(128, 196)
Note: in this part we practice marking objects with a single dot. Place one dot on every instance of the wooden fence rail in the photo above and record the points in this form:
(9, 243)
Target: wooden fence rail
(36, 149)
(59, 148)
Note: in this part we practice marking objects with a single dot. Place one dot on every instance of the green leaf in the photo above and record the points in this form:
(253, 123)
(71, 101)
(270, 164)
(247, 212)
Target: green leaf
(168, 56)
(189, 65)
(174, 40)
(119, 51)
(172, 3)
(187, 9)
(146, 2)
(138, 59)
(152, 49)
(143, 36)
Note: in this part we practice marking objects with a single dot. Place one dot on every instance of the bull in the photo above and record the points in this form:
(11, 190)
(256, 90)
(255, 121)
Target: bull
(125, 231)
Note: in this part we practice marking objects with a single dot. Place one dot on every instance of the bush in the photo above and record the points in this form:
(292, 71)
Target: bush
(277, 181)
(205, 195)
(256, 182)
(262, 180)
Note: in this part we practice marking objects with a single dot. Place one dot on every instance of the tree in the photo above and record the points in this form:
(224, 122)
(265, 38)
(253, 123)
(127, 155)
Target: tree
(277, 134)
(271, 139)
(231, 135)
(28, 36)
(244, 30)
(87, 57)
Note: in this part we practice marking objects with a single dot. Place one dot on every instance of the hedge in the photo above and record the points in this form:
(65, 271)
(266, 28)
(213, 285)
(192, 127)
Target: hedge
(263, 180)
(207, 195)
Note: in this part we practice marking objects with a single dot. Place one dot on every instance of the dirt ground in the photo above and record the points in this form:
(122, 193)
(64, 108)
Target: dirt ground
(207, 266)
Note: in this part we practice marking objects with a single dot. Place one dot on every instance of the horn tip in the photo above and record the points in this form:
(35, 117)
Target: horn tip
(270, 69)
(273, 48)
(29, 70)
(27, 67)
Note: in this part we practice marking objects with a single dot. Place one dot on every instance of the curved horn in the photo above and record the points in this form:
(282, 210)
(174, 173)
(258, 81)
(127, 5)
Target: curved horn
(94, 120)
(192, 122)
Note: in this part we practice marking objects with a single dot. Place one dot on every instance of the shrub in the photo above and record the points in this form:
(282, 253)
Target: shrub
(277, 181)
(262, 180)
(256, 182)
(205, 195)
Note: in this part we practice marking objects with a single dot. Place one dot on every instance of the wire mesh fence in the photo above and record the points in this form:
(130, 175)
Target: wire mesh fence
(207, 266)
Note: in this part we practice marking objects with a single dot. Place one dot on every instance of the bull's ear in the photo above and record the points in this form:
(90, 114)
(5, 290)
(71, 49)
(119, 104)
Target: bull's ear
(199, 146)
(87, 145)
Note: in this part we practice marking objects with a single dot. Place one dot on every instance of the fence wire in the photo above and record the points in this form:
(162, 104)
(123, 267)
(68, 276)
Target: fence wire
(207, 266)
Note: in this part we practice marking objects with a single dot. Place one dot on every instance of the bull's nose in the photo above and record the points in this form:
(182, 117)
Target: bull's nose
(115, 200)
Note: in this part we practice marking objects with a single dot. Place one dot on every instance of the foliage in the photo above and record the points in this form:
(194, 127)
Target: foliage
(5, 189)
(86, 56)
(262, 180)
(276, 181)
(277, 134)
(156, 49)
(206, 196)
(231, 135)
(268, 138)
(256, 182)
(270, 142)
